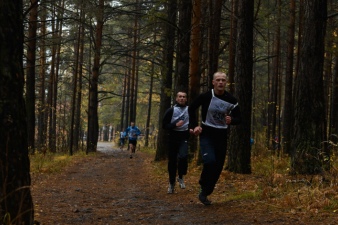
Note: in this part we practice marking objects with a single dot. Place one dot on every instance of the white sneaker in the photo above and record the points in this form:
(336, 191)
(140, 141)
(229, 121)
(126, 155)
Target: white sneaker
(181, 183)
(171, 189)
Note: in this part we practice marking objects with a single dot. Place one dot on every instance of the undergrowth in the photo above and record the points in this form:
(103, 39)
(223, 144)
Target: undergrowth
(53, 162)
(270, 185)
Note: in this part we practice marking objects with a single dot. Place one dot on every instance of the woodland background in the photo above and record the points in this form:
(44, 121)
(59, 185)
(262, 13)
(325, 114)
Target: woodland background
(87, 68)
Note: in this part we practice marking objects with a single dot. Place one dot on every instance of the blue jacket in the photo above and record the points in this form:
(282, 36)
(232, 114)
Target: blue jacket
(132, 130)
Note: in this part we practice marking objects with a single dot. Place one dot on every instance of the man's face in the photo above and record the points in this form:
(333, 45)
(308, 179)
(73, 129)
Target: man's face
(132, 124)
(181, 98)
(219, 82)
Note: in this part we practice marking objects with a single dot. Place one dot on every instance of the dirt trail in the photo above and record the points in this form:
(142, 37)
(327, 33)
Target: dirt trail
(113, 189)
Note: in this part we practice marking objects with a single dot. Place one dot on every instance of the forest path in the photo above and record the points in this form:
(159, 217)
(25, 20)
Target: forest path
(111, 188)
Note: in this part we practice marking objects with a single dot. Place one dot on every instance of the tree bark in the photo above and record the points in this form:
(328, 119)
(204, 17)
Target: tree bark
(30, 74)
(124, 97)
(41, 102)
(239, 159)
(166, 79)
(51, 83)
(214, 33)
(133, 70)
(299, 41)
(232, 45)
(334, 104)
(57, 67)
(93, 123)
(288, 105)
(127, 104)
(77, 128)
(105, 131)
(274, 92)
(149, 99)
(77, 52)
(89, 81)
(309, 99)
(136, 77)
(16, 205)
(185, 13)
(195, 70)
(326, 87)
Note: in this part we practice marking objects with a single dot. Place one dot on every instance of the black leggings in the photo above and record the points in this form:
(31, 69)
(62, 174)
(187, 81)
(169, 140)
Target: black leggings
(213, 150)
(177, 150)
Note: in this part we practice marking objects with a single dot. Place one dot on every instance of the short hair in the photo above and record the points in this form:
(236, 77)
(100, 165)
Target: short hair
(218, 73)
(182, 92)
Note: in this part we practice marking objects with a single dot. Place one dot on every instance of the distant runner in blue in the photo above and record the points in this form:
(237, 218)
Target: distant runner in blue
(219, 109)
(133, 133)
(122, 136)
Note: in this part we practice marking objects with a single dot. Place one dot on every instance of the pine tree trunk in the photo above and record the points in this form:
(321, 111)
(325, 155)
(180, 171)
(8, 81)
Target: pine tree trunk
(51, 84)
(288, 105)
(77, 128)
(326, 86)
(30, 74)
(239, 159)
(334, 105)
(57, 65)
(124, 97)
(93, 124)
(195, 70)
(276, 63)
(127, 104)
(185, 11)
(136, 78)
(133, 70)
(41, 103)
(232, 45)
(215, 11)
(15, 194)
(89, 82)
(73, 106)
(105, 132)
(309, 99)
(149, 99)
(166, 79)
(299, 41)
(268, 142)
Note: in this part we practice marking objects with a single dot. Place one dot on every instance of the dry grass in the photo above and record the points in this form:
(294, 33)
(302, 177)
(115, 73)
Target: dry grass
(271, 187)
(53, 162)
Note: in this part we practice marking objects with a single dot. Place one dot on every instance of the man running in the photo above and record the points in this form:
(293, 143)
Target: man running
(219, 109)
(133, 133)
(176, 119)
(122, 136)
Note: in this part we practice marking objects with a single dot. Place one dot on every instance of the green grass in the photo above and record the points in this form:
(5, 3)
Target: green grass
(149, 150)
(242, 196)
(53, 162)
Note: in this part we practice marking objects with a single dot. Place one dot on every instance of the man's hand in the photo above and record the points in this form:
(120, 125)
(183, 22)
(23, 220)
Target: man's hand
(196, 131)
(179, 123)
(134, 135)
(228, 120)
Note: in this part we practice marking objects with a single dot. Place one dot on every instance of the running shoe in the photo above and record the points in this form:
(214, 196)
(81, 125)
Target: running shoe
(181, 183)
(171, 189)
(203, 198)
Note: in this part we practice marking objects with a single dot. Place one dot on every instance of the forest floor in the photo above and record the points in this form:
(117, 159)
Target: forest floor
(111, 188)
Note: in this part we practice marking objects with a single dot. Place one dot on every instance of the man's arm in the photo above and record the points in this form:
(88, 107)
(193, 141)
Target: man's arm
(166, 121)
(192, 112)
(138, 132)
(236, 116)
(127, 130)
(193, 125)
